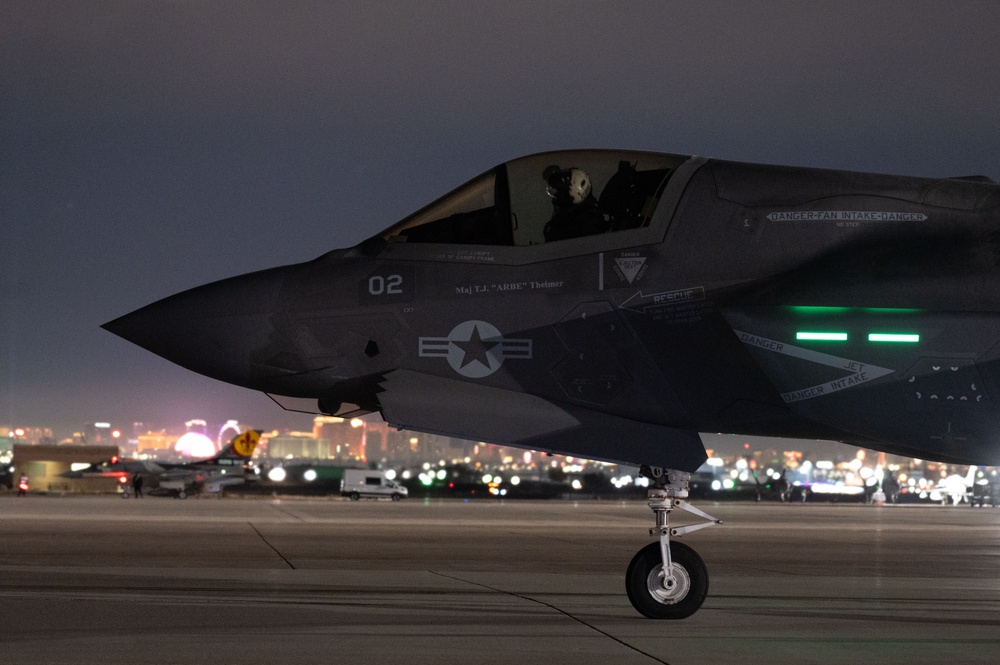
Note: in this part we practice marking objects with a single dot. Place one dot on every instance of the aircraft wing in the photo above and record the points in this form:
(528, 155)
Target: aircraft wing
(427, 403)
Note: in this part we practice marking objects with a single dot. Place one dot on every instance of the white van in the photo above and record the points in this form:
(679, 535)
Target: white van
(357, 483)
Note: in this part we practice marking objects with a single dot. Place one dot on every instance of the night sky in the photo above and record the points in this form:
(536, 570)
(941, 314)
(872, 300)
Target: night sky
(151, 147)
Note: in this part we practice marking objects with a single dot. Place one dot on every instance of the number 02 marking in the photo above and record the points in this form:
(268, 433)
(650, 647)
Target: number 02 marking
(391, 285)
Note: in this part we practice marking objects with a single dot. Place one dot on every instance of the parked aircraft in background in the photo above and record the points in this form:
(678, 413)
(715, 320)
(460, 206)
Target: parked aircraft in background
(955, 489)
(611, 305)
(231, 466)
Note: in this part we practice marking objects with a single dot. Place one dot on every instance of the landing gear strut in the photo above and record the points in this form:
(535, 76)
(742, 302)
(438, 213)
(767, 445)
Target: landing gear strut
(668, 580)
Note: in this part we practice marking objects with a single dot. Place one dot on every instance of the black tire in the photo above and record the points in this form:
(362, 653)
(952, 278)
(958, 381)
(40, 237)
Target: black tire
(646, 569)
(182, 495)
(355, 496)
(396, 497)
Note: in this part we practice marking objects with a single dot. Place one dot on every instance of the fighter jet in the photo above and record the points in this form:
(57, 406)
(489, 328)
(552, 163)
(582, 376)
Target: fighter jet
(230, 466)
(612, 305)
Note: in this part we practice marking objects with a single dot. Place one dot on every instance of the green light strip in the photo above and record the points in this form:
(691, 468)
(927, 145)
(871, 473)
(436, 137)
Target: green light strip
(899, 338)
(822, 336)
(818, 309)
(892, 310)
(824, 309)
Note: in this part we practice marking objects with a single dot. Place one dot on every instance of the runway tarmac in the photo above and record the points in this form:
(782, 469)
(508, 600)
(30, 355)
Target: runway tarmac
(106, 580)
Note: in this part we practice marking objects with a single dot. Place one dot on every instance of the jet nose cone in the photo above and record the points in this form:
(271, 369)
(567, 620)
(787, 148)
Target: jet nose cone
(214, 330)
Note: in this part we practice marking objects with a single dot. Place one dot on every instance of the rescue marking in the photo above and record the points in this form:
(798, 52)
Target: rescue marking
(642, 302)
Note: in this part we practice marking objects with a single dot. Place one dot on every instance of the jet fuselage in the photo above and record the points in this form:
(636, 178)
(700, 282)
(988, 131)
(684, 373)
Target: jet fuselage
(721, 297)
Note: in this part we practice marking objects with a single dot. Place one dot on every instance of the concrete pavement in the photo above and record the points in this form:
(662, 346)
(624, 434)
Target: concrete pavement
(101, 579)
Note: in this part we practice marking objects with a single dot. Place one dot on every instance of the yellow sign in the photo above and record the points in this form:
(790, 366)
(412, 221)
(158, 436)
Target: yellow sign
(244, 444)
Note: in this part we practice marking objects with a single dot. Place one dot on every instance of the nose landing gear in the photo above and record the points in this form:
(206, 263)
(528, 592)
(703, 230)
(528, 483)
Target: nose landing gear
(668, 580)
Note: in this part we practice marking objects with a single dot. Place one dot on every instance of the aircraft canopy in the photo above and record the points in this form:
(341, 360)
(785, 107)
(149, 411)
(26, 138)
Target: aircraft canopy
(516, 203)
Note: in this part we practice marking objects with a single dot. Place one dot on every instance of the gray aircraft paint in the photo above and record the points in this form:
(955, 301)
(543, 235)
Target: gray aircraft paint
(460, 320)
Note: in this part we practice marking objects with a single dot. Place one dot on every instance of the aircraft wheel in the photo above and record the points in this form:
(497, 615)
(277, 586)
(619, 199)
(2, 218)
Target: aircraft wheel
(355, 496)
(644, 582)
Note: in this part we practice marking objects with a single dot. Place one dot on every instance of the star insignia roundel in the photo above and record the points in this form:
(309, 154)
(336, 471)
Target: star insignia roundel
(475, 349)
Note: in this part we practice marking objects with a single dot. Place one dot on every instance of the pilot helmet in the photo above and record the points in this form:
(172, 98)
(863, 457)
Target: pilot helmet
(567, 186)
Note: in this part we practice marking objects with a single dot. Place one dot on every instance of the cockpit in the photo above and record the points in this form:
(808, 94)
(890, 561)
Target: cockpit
(544, 198)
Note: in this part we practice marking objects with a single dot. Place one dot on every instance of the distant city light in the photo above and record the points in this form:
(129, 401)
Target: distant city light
(830, 488)
(227, 432)
(194, 444)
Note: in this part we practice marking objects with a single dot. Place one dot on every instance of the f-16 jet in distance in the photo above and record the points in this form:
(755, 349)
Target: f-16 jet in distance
(611, 305)
(230, 466)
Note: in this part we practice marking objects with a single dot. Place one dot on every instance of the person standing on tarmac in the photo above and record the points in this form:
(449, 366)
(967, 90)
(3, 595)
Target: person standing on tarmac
(890, 485)
(22, 485)
(137, 485)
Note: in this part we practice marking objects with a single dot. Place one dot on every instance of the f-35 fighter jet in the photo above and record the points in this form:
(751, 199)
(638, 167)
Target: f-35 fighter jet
(611, 305)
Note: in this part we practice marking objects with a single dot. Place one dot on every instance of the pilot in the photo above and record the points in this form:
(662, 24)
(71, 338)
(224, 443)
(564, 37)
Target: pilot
(575, 212)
